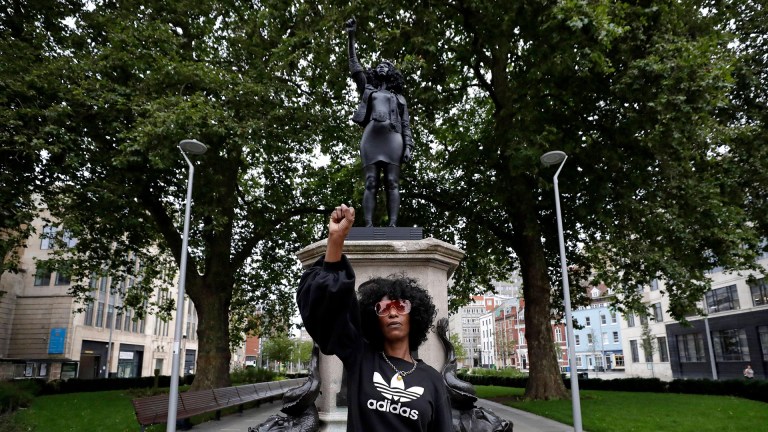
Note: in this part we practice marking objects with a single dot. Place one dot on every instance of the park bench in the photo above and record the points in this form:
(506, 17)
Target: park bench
(154, 409)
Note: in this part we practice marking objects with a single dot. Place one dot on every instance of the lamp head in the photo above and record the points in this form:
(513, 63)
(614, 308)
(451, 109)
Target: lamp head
(192, 146)
(552, 158)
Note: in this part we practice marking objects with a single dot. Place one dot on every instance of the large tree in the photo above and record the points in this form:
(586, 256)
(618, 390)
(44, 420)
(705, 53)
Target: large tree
(637, 95)
(137, 78)
(29, 37)
(658, 184)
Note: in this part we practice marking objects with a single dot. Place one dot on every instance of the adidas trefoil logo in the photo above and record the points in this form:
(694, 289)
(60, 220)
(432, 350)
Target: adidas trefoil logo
(395, 391)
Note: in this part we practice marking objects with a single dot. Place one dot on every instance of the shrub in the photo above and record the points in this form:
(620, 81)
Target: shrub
(77, 385)
(17, 394)
(251, 375)
(753, 389)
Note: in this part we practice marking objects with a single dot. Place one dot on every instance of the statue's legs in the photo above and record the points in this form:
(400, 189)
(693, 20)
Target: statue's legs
(392, 185)
(369, 195)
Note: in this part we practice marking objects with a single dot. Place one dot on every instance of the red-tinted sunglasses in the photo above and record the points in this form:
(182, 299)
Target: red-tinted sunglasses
(399, 306)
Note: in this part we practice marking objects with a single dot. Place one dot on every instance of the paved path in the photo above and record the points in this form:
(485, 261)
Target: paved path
(523, 421)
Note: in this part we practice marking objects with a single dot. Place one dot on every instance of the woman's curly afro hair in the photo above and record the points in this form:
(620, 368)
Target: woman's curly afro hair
(394, 78)
(395, 287)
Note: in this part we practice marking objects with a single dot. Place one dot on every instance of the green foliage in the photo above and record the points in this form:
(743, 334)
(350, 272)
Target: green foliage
(501, 373)
(644, 99)
(647, 340)
(15, 395)
(754, 390)
(458, 347)
(285, 349)
(250, 375)
(660, 107)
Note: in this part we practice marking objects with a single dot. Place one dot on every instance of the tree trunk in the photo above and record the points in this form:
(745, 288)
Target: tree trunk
(544, 379)
(213, 356)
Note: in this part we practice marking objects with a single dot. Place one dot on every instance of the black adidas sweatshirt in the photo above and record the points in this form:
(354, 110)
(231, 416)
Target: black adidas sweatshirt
(379, 398)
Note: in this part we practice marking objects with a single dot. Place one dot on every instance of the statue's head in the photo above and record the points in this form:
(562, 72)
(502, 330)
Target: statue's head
(386, 72)
(483, 420)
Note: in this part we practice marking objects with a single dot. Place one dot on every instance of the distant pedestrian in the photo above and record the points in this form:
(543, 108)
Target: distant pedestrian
(749, 373)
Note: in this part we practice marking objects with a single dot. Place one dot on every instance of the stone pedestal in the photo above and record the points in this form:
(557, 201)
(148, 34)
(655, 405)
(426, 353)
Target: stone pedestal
(431, 262)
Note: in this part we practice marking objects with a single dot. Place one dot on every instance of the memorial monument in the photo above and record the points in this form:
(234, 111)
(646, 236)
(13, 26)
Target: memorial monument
(374, 252)
(387, 141)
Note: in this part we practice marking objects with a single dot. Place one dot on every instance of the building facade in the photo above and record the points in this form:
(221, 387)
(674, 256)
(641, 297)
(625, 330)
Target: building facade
(42, 334)
(732, 333)
(597, 340)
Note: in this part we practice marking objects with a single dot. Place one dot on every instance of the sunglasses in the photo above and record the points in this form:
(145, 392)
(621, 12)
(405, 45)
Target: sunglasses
(400, 306)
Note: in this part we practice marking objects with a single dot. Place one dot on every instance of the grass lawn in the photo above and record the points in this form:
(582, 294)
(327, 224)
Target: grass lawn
(109, 411)
(602, 411)
(610, 411)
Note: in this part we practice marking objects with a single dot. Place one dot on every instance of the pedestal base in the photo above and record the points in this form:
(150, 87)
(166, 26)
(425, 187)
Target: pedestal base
(334, 421)
(430, 262)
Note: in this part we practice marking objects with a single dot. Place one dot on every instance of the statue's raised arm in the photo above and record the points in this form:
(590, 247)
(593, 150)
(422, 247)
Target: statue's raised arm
(355, 70)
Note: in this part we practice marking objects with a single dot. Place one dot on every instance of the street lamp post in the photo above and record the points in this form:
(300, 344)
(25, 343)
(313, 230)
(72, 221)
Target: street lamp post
(549, 159)
(193, 147)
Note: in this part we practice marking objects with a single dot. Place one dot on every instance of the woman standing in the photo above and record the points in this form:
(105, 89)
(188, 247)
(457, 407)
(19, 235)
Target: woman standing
(387, 389)
(387, 139)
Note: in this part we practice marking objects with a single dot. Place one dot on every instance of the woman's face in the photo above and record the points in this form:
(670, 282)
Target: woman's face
(382, 69)
(394, 322)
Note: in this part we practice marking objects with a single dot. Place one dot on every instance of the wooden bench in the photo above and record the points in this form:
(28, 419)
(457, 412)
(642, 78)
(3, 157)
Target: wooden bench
(154, 409)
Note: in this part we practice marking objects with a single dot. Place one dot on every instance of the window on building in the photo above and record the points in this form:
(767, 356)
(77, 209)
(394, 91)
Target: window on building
(630, 320)
(762, 332)
(100, 315)
(655, 285)
(42, 277)
(613, 317)
(558, 334)
(643, 319)
(691, 348)
(579, 361)
(589, 339)
(110, 316)
(68, 240)
(595, 292)
(615, 337)
(618, 360)
(647, 351)
(127, 320)
(661, 342)
(759, 291)
(658, 314)
(635, 352)
(577, 340)
(89, 314)
(47, 237)
(730, 345)
(587, 321)
(119, 320)
(605, 338)
(722, 299)
(603, 319)
(62, 279)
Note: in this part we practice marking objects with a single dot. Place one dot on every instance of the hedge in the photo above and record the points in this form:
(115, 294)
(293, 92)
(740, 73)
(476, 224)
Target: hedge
(752, 389)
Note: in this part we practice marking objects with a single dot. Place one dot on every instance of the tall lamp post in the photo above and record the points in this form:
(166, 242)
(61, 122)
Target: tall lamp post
(193, 147)
(549, 159)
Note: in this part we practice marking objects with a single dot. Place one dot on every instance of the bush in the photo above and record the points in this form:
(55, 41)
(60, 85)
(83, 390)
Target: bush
(77, 385)
(748, 389)
(506, 372)
(17, 394)
(251, 375)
